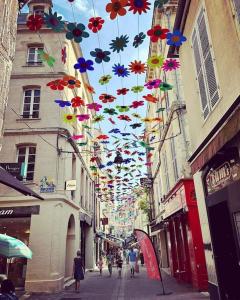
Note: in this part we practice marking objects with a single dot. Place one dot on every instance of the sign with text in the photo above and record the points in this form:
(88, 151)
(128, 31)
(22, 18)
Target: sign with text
(47, 185)
(19, 211)
(71, 185)
(13, 168)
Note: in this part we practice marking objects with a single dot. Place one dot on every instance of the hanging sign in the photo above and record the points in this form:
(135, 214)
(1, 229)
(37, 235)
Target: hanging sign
(71, 185)
(13, 168)
(146, 182)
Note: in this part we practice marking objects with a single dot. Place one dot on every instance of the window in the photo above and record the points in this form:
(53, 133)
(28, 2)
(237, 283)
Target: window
(33, 56)
(31, 103)
(236, 4)
(26, 155)
(205, 70)
(165, 169)
(174, 159)
(38, 10)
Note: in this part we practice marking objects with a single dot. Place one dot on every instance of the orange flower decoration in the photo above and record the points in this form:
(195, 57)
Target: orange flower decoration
(89, 88)
(71, 82)
(150, 98)
(77, 101)
(116, 7)
(137, 67)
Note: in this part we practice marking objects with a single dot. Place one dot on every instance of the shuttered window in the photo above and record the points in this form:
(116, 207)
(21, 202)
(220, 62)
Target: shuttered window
(236, 4)
(206, 75)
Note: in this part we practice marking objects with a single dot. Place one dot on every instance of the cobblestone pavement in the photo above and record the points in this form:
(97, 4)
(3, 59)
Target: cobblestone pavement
(95, 287)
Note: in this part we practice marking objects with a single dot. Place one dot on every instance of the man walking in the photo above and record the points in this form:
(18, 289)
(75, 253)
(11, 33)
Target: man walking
(132, 261)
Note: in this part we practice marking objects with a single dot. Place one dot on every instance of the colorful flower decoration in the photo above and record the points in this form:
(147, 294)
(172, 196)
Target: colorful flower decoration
(116, 7)
(136, 125)
(57, 84)
(94, 106)
(84, 65)
(136, 104)
(137, 67)
(136, 116)
(95, 24)
(150, 98)
(77, 137)
(98, 118)
(112, 121)
(122, 108)
(105, 79)
(106, 98)
(82, 145)
(71, 82)
(170, 64)
(69, 118)
(161, 109)
(138, 39)
(62, 103)
(77, 102)
(115, 130)
(47, 58)
(89, 88)
(76, 32)
(120, 70)
(176, 38)
(139, 6)
(35, 22)
(164, 86)
(122, 91)
(157, 33)
(119, 43)
(137, 89)
(54, 21)
(102, 137)
(124, 118)
(110, 111)
(155, 61)
(153, 84)
(64, 55)
(160, 3)
(100, 55)
(83, 117)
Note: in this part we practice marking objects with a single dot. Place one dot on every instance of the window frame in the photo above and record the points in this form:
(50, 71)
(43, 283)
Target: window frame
(38, 10)
(26, 160)
(166, 171)
(174, 159)
(37, 59)
(32, 103)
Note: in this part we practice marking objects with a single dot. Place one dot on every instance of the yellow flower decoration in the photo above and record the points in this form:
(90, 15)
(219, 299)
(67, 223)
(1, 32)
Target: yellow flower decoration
(105, 79)
(69, 118)
(136, 115)
(147, 120)
(155, 61)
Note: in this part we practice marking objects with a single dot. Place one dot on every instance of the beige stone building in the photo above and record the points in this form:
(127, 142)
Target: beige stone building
(210, 65)
(55, 166)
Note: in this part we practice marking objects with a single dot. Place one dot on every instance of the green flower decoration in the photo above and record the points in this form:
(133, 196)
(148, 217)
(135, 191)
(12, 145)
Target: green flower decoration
(47, 58)
(110, 111)
(160, 3)
(76, 32)
(105, 79)
(160, 110)
(54, 21)
(137, 89)
(98, 118)
(93, 168)
(122, 108)
(164, 86)
(82, 144)
(86, 126)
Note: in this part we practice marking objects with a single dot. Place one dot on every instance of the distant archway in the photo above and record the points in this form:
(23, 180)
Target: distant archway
(70, 246)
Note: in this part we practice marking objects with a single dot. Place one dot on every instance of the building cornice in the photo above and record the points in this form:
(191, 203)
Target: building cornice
(38, 75)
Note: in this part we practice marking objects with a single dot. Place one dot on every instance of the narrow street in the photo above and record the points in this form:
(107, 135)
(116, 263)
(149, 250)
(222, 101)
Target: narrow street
(140, 287)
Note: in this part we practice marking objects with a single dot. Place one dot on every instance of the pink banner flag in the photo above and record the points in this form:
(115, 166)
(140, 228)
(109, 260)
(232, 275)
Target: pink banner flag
(149, 254)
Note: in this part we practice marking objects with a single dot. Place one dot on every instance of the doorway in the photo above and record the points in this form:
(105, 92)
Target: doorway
(70, 247)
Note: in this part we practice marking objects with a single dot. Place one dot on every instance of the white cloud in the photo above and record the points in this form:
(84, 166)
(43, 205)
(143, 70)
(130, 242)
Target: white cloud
(82, 5)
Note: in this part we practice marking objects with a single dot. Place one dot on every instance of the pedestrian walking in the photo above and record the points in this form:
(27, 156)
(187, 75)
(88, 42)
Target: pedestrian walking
(100, 265)
(119, 266)
(141, 258)
(7, 290)
(110, 259)
(132, 261)
(78, 271)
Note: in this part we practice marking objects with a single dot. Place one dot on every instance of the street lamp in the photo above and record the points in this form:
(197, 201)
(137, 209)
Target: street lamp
(118, 160)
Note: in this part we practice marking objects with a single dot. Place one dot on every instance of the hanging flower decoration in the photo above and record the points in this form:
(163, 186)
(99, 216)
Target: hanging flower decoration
(69, 118)
(98, 118)
(124, 118)
(137, 67)
(95, 24)
(35, 22)
(110, 111)
(119, 43)
(84, 65)
(64, 55)
(136, 125)
(54, 21)
(83, 117)
(136, 116)
(47, 58)
(160, 3)
(161, 109)
(76, 32)
(150, 98)
(77, 137)
(94, 106)
(62, 103)
(115, 130)
(105, 79)
(57, 84)
(71, 82)
(122, 108)
(164, 86)
(157, 33)
(139, 6)
(139, 39)
(176, 38)
(122, 91)
(170, 64)
(89, 88)
(102, 137)
(120, 70)
(136, 104)
(112, 121)
(100, 55)
(153, 84)
(116, 7)
(106, 98)
(137, 89)
(77, 102)
(155, 61)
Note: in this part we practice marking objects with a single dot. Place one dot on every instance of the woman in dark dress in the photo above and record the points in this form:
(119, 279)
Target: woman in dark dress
(78, 272)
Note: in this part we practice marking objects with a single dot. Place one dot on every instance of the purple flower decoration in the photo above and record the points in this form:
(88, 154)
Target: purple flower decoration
(153, 84)
(120, 70)
(84, 65)
(94, 106)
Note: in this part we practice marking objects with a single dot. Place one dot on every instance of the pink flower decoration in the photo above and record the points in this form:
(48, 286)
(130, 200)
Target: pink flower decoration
(170, 64)
(64, 55)
(77, 137)
(94, 106)
(111, 120)
(153, 84)
(136, 104)
(82, 117)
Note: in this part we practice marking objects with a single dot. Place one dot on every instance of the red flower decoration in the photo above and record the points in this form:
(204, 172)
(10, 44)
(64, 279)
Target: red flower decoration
(103, 137)
(136, 104)
(137, 67)
(122, 91)
(57, 84)
(157, 32)
(35, 22)
(139, 6)
(124, 118)
(89, 88)
(150, 98)
(116, 7)
(111, 120)
(95, 24)
(77, 101)
(64, 55)
(105, 98)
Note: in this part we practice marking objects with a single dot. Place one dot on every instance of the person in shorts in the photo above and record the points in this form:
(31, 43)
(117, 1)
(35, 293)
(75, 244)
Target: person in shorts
(132, 261)
(119, 266)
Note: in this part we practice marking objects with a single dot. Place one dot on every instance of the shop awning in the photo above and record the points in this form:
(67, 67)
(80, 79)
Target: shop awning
(9, 180)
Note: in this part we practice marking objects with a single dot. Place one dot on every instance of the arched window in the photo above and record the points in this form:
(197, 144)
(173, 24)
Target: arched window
(38, 10)
(26, 154)
(31, 102)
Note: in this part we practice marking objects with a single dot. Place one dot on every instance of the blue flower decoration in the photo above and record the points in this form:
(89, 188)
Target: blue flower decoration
(138, 39)
(141, 153)
(63, 103)
(110, 163)
(125, 133)
(136, 125)
(76, 32)
(84, 65)
(104, 142)
(176, 38)
(120, 70)
(114, 130)
(100, 55)
(119, 43)
(127, 161)
(54, 21)
(101, 166)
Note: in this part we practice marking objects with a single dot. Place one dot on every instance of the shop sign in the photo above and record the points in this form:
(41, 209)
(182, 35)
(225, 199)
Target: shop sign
(13, 168)
(19, 211)
(146, 182)
(71, 185)
(47, 185)
(175, 203)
